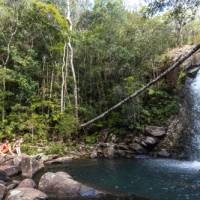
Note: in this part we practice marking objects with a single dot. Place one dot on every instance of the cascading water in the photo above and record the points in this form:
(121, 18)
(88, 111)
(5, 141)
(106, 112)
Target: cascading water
(193, 107)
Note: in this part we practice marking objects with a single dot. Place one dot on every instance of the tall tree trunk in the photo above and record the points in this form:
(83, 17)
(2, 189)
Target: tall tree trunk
(43, 78)
(63, 78)
(141, 90)
(66, 77)
(71, 57)
(51, 83)
(5, 67)
(74, 79)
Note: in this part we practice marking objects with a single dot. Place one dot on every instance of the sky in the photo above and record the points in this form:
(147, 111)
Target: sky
(134, 4)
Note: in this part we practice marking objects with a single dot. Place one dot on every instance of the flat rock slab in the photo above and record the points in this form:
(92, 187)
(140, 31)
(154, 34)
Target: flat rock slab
(10, 170)
(26, 194)
(155, 131)
(6, 160)
(61, 160)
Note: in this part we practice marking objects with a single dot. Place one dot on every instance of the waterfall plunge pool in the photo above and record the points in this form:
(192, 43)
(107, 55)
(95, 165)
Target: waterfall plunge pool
(159, 179)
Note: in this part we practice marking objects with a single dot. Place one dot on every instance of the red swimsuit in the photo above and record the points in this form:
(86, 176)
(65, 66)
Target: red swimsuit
(5, 148)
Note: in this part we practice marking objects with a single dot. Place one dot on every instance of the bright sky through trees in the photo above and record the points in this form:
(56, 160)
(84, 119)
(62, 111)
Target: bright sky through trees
(132, 4)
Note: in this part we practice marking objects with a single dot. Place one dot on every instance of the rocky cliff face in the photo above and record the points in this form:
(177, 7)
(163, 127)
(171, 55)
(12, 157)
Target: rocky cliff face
(190, 66)
(178, 135)
(174, 141)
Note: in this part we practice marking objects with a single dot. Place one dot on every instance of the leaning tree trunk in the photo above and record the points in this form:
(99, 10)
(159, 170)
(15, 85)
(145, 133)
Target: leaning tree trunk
(179, 61)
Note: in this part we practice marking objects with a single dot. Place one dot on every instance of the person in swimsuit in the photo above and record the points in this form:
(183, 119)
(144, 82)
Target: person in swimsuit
(17, 146)
(5, 147)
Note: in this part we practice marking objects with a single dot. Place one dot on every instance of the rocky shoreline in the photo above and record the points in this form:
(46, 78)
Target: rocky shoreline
(16, 173)
(16, 181)
(155, 141)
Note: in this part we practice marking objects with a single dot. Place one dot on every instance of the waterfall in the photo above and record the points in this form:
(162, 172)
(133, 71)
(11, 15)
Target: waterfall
(193, 104)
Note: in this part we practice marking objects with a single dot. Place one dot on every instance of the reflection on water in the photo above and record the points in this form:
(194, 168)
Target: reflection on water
(152, 178)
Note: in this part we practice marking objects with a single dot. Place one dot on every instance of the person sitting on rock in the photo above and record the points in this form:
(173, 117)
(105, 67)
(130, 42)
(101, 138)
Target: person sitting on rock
(5, 147)
(17, 146)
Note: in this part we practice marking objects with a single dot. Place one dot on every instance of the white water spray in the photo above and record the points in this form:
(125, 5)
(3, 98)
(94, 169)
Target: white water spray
(194, 106)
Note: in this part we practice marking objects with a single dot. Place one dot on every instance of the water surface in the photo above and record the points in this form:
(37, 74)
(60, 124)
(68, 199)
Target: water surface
(159, 179)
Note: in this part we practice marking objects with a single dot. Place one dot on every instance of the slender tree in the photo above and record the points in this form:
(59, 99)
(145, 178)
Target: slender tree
(71, 58)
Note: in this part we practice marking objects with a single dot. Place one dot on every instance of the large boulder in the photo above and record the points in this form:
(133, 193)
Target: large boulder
(122, 146)
(150, 142)
(3, 190)
(137, 148)
(26, 194)
(10, 170)
(61, 185)
(109, 151)
(3, 176)
(30, 165)
(129, 138)
(155, 131)
(27, 183)
(94, 154)
(104, 150)
(164, 153)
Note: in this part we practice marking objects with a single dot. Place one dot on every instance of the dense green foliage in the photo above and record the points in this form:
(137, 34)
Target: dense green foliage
(115, 52)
